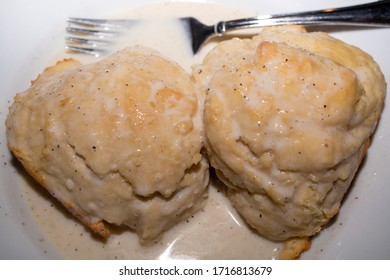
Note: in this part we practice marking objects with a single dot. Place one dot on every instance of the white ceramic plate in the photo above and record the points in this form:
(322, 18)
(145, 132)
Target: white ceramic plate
(31, 37)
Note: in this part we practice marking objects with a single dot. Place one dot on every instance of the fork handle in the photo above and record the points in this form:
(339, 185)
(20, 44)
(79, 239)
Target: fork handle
(370, 14)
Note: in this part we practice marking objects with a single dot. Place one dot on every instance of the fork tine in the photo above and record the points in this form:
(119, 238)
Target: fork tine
(90, 51)
(86, 41)
(91, 32)
(85, 21)
(101, 22)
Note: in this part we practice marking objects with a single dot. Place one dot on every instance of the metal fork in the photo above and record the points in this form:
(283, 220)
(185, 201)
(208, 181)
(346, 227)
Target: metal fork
(90, 36)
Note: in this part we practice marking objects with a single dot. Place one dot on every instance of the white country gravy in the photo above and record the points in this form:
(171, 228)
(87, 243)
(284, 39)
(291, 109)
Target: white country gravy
(216, 232)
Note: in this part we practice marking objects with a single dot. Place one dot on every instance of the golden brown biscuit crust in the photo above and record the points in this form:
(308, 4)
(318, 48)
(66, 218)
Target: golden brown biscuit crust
(287, 118)
(117, 141)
